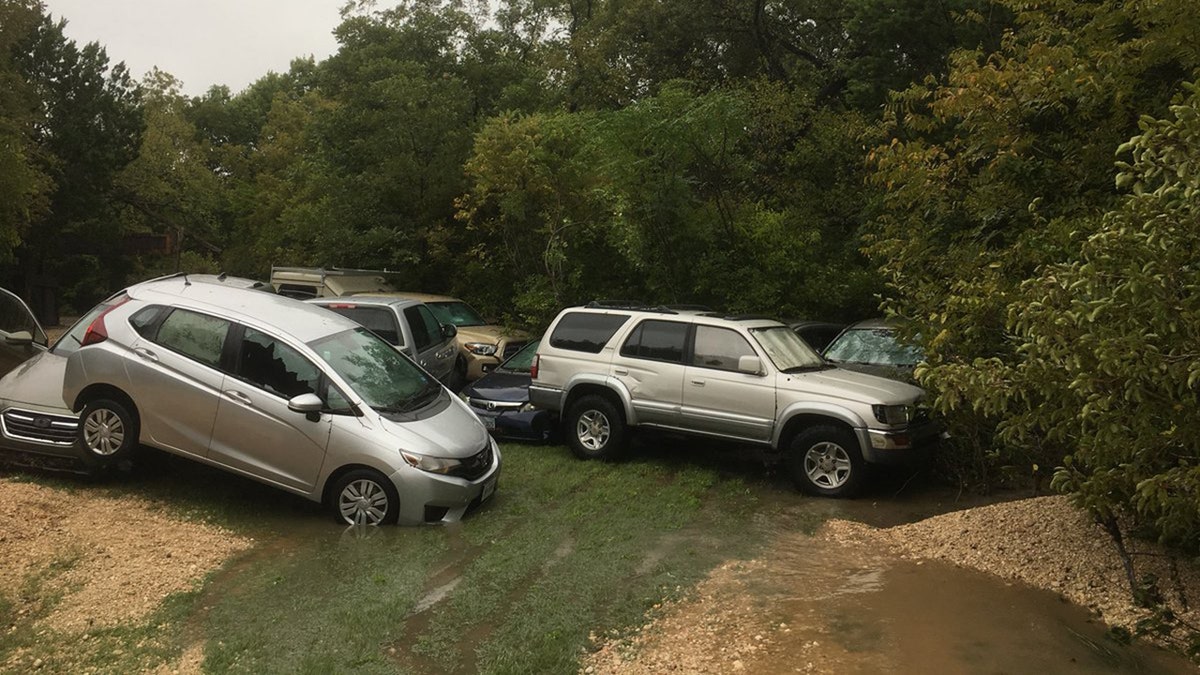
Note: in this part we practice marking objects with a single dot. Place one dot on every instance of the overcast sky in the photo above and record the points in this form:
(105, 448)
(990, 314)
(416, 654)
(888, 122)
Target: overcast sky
(204, 42)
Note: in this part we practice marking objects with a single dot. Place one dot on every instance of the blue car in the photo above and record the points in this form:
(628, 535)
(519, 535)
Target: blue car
(501, 400)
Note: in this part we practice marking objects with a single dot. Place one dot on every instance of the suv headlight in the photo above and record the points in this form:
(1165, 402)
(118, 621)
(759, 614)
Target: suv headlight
(441, 465)
(893, 414)
(481, 348)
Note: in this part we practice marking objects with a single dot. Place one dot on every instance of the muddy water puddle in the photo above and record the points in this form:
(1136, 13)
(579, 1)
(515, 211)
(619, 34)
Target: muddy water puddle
(850, 610)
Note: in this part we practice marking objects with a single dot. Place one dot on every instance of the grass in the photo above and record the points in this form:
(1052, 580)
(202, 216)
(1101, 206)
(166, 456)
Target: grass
(566, 549)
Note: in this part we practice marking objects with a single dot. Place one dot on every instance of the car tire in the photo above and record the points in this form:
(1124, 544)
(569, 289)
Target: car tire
(108, 435)
(595, 429)
(825, 460)
(365, 497)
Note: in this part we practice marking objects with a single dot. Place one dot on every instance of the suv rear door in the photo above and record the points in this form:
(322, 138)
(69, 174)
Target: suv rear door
(650, 363)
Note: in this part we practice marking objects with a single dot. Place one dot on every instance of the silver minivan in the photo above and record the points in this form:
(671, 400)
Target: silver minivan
(280, 391)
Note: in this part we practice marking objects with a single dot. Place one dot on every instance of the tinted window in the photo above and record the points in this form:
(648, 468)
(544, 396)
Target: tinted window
(271, 365)
(433, 327)
(657, 340)
(145, 320)
(418, 322)
(586, 332)
(721, 348)
(199, 336)
(298, 291)
(379, 320)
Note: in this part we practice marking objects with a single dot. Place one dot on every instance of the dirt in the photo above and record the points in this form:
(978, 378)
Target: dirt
(746, 617)
(97, 561)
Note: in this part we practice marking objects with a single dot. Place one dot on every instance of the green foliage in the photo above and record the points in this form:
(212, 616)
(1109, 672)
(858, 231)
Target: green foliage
(23, 181)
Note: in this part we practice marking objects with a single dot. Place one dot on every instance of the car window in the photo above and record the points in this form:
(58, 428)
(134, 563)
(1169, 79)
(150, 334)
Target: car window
(585, 331)
(873, 345)
(199, 336)
(719, 348)
(522, 361)
(145, 320)
(657, 340)
(433, 328)
(298, 291)
(16, 317)
(380, 320)
(70, 340)
(275, 367)
(419, 325)
(386, 380)
(457, 313)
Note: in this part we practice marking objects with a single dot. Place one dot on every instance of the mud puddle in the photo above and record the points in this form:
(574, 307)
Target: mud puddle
(851, 611)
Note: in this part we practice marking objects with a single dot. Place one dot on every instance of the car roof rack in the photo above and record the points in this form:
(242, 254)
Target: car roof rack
(632, 306)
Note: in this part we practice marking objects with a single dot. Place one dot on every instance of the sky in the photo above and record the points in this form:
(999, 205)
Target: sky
(204, 42)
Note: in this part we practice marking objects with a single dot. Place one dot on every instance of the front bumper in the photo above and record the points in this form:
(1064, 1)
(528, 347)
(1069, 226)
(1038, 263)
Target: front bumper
(914, 443)
(433, 498)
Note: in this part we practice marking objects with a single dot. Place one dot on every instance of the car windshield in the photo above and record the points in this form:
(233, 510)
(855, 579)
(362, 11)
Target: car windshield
(456, 312)
(522, 361)
(386, 380)
(877, 346)
(786, 350)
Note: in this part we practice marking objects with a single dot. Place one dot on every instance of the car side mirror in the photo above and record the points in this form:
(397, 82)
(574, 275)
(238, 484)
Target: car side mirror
(751, 365)
(21, 338)
(449, 330)
(306, 403)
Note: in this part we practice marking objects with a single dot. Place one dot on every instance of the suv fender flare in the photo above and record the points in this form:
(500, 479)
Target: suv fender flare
(612, 384)
(817, 409)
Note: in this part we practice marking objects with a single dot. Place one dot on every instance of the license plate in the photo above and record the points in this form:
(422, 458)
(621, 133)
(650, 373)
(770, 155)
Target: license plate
(489, 423)
(489, 488)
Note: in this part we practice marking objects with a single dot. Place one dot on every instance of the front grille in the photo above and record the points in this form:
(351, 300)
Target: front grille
(40, 427)
(511, 348)
(476, 465)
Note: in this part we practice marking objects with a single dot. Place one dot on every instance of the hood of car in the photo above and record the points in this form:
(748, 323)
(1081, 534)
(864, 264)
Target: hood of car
(445, 429)
(900, 373)
(37, 384)
(501, 386)
(490, 334)
(854, 386)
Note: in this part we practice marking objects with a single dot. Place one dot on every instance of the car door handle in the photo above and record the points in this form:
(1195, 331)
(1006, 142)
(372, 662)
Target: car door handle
(145, 354)
(239, 397)
(698, 382)
(620, 371)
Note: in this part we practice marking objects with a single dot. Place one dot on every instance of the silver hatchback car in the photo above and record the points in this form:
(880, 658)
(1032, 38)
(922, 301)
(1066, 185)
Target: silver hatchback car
(283, 392)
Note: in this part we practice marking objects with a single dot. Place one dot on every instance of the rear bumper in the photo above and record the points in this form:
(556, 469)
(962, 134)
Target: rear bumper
(547, 398)
(898, 446)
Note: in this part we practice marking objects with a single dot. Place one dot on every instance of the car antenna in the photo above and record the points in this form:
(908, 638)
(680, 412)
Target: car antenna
(185, 280)
(222, 276)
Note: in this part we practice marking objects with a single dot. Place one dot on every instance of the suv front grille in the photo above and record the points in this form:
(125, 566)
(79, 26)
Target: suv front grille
(476, 465)
(511, 348)
(40, 427)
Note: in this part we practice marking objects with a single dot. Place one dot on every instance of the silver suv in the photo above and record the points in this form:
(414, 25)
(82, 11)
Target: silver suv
(747, 379)
(283, 392)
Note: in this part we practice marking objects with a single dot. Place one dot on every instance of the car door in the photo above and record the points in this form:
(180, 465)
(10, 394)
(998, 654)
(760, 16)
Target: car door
(175, 377)
(719, 399)
(650, 364)
(432, 351)
(255, 431)
(21, 336)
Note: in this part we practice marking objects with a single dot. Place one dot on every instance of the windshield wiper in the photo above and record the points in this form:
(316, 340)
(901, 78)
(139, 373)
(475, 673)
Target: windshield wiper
(807, 369)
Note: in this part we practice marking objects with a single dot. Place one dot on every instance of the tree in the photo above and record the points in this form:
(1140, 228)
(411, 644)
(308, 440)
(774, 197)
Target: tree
(23, 180)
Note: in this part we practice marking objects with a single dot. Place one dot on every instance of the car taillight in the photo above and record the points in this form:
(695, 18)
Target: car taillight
(97, 332)
(534, 367)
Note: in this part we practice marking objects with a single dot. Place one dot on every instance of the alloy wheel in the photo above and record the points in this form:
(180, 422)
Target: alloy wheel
(593, 430)
(103, 432)
(827, 465)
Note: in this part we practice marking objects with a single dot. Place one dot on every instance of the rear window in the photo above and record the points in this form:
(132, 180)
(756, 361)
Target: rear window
(379, 320)
(586, 332)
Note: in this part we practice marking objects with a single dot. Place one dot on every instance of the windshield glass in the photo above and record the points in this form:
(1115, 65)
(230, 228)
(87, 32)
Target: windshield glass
(786, 350)
(874, 346)
(522, 361)
(456, 312)
(387, 381)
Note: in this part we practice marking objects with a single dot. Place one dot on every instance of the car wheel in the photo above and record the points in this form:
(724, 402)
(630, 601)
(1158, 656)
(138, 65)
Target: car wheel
(825, 460)
(108, 433)
(595, 429)
(365, 497)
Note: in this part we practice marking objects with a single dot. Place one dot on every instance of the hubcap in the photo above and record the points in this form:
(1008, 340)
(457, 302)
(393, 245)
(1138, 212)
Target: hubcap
(593, 430)
(363, 502)
(103, 432)
(827, 465)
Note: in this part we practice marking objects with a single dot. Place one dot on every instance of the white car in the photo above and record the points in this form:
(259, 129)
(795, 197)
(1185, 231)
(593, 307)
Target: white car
(280, 391)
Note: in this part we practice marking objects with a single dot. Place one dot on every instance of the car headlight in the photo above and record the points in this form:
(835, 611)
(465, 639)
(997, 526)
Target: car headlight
(481, 348)
(893, 414)
(441, 465)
